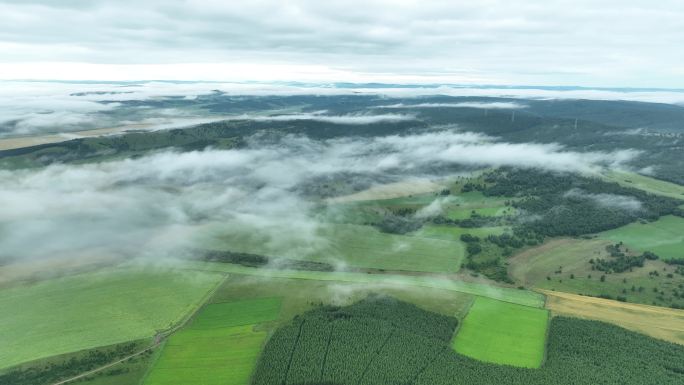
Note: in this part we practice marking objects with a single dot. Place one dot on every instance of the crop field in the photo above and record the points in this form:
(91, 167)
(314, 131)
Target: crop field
(663, 323)
(648, 184)
(507, 294)
(218, 347)
(503, 333)
(95, 309)
(664, 237)
(358, 246)
(301, 295)
(453, 233)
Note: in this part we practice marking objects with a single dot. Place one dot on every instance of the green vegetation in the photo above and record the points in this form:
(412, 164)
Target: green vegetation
(646, 183)
(503, 333)
(522, 297)
(60, 367)
(357, 246)
(220, 346)
(301, 295)
(383, 341)
(95, 309)
(566, 265)
(568, 204)
(353, 344)
(664, 237)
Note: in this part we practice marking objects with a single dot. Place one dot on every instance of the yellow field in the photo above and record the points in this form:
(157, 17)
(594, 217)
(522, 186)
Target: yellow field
(659, 322)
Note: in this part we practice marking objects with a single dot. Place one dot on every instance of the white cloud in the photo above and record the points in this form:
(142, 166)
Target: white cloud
(614, 201)
(159, 203)
(481, 105)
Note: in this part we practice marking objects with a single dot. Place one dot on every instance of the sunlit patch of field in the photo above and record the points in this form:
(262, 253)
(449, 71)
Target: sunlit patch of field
(655, 321)
(503, 333)
(664, 237)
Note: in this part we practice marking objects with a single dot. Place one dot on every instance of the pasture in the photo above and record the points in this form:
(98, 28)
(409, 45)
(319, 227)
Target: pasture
(354, 245)
(563, 265)
(220, 346)
(507, 294)
(645, 183)
(664, 237)
(88, 310)
(503, 333)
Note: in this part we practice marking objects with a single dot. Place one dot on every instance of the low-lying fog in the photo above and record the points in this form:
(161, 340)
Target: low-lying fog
(155, 205)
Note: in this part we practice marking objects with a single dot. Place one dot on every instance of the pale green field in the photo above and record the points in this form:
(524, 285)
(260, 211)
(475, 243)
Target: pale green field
(523, 297)
(453, 233)
(664, 237)
(218, 347)
(642, 182)
(94, 309)
(354, 245)
(503, 333)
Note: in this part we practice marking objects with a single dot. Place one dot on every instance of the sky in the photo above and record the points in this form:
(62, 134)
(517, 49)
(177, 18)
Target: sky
(608, 43)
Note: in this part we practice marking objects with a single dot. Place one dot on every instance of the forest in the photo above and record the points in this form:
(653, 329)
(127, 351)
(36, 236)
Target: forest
(385, 341)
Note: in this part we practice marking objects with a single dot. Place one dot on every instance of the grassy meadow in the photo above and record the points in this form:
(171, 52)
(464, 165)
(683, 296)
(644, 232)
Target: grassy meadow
(354, 245)
(503, 333)
(220, 346)
(664, 237)
(84, 311)
(523, 297)
(563, 265)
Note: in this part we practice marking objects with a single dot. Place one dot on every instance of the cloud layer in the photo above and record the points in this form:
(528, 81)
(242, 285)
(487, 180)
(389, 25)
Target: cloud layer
(156, 204)
(492, 42)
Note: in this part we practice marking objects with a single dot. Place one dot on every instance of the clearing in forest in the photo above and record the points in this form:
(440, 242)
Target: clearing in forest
(503, 333)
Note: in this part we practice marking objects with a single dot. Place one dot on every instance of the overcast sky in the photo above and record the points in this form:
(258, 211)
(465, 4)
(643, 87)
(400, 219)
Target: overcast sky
(632, 43)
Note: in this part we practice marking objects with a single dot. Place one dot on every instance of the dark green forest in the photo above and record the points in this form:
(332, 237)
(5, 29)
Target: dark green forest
(381, 340)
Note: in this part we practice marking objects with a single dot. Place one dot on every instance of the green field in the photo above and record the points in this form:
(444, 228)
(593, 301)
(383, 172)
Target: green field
(354, 245)
(664, 237)
(563, 265)
(523, 297)
(453, 233)
(219, 347)
(503, 333)
(95, 309)
(648, 184)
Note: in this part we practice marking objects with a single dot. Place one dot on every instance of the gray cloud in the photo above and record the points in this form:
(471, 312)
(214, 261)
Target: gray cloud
(494, 41)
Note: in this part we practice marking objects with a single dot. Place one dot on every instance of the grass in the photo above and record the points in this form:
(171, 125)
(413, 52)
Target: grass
(238, 313)
(523, 297)
(453, 233)
(664, 237)
(354, 245)
(648, 184)
(503, 333)
(563, 265)
(84, 311)
(658, 322)
(218, 347)
(301, 295)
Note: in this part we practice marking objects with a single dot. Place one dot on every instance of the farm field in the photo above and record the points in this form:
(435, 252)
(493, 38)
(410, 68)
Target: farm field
(301, 295)
(648, 184)
(218, 347)
(355, 245)
(95, 309)
(453, 233)
(523, 297)
(503, 333)
(664, 237)
(655, 321)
